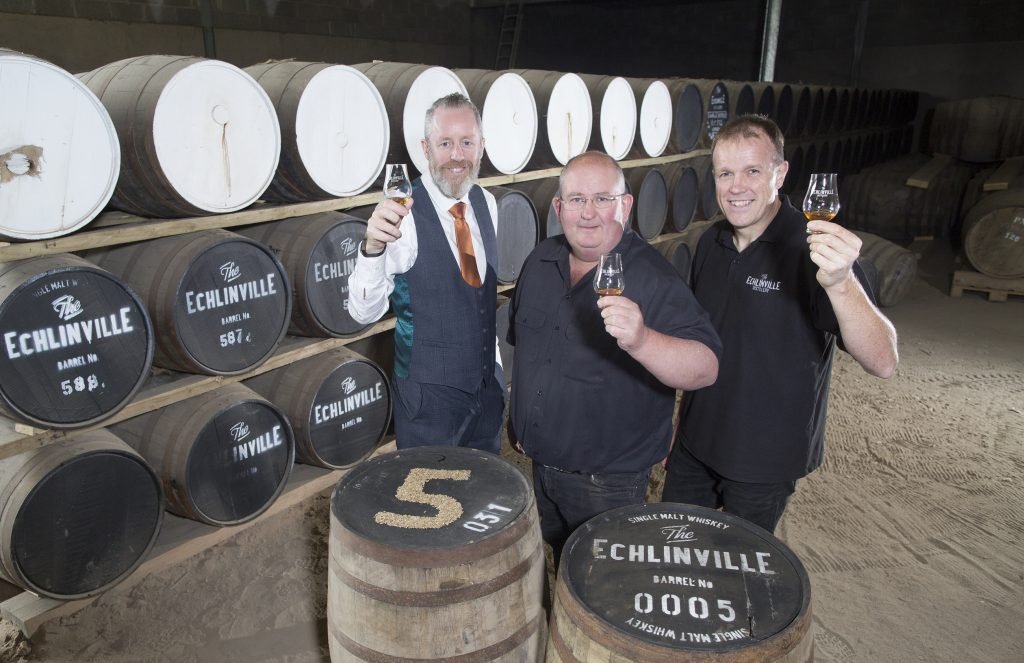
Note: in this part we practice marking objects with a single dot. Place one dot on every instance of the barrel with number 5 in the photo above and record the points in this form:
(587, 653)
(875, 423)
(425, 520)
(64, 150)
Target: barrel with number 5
(435, 554)
(675, 583)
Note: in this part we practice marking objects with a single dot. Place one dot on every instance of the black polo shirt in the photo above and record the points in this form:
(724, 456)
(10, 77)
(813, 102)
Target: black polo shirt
(579, 402)
(764, 418)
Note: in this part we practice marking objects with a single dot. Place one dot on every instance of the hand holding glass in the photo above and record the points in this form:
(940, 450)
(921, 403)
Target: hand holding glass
(608, 280)
(821, 203)
(397, 186)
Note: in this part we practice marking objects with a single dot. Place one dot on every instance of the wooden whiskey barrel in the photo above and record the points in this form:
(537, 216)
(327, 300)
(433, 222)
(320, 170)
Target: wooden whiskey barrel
(223, 456)
(509, 117)
(319, 253)
(59, 155)
(654, 120)
(615, 114)
(197, 136)
(220, 302)
(77, 516)
(683, 192)
(895, 267)
(408, 91)
(665, 582)
(679, 250)
(542, 192)
(565, 116)
(435, 555)
(338, 403)
(993, 234)
(687, 113)
(650, 200)
(517, 231)
(77, 342)
(334, 129)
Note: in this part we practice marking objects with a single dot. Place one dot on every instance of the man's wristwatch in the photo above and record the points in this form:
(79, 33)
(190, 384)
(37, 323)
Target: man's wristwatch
(362, 249)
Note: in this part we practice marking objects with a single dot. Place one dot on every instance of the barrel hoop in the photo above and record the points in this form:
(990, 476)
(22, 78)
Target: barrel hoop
(555, 638)
(480, 656)
(433, 558)
(441, 597)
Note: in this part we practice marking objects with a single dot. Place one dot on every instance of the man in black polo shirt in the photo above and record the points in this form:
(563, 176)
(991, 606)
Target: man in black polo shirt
(781, 292)
(595, 379)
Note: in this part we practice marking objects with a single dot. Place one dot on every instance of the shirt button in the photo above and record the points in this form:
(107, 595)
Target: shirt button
(557, 327)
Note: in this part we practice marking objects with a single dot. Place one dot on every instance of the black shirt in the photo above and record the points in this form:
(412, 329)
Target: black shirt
(579, 402)
(763, 420)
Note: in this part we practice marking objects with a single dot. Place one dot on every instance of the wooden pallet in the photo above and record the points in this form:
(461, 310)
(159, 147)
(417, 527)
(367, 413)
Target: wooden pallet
(997, 289)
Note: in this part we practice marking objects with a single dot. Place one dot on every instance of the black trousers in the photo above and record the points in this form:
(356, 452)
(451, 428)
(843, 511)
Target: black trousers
(690, 481)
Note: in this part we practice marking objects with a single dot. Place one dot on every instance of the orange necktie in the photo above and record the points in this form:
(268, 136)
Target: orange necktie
(464, 242)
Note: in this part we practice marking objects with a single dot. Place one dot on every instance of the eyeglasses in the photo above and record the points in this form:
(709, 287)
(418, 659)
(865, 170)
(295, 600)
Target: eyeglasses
(601, 201)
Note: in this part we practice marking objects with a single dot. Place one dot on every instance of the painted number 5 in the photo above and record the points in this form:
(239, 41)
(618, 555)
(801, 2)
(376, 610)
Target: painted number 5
(448, 508)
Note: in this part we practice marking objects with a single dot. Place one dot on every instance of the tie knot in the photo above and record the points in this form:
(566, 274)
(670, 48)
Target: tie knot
(458, 210)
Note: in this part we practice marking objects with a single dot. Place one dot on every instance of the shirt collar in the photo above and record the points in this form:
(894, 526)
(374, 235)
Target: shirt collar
(441, 200)
(773, 233)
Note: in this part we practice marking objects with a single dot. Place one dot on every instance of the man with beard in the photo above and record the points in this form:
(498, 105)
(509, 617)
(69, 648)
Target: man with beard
(436, 264)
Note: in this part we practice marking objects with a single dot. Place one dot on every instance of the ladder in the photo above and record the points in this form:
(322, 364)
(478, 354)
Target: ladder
(508, 37)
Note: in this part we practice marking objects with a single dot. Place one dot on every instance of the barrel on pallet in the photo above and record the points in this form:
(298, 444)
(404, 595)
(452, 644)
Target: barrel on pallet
(220, 302)
(408, 91)
(77, 342)
(338, 403)
(197, 136)
(334, 129)
(565, 118)
(59, 156)
(517, 231)
(77, 516)
(224, 456)
(666, 582)
(508, 115)
(435, 554)
(319, 253)
(992, 233)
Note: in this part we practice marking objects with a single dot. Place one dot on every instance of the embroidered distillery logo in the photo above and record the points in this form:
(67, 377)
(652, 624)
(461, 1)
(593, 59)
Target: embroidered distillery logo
(763, 284)
(348, 385)
(240, 431)
(67, 307)
(230, 271)
(348, 246)
(678, 534)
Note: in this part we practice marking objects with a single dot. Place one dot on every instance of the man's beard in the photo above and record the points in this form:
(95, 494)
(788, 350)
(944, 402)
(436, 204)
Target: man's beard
(454, 189)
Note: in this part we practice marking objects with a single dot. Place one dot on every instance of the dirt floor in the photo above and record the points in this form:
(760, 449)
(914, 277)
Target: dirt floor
(912, 533)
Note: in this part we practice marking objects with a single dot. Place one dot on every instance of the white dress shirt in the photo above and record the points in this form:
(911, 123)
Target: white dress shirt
(373, 279)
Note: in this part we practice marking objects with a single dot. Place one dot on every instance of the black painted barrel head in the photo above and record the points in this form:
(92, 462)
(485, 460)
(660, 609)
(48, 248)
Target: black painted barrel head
(431, 498)
(680, 258)
(651, 204)
(239, 462)
(232, 307)
(77, 344)
(717, 109)
(517, 233)
(86, 524)
(685, 195)
(688, 114)
(349, 413)
(685, 577)
(330, 264)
